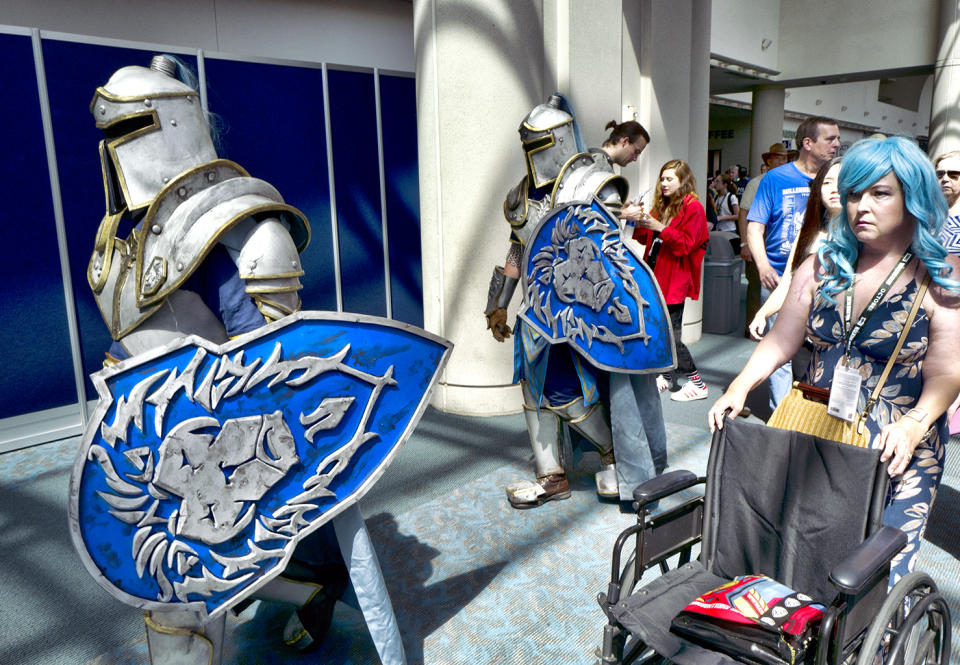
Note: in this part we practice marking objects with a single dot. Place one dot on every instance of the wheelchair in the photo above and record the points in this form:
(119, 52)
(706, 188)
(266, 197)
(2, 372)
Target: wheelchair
(802, 510)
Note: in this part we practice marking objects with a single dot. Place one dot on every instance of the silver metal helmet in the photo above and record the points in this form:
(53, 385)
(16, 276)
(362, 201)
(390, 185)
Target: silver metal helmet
(154, 129)
(548, 141)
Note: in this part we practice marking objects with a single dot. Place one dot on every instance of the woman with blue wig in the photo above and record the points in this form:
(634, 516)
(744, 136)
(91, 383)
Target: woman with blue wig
(885, 236)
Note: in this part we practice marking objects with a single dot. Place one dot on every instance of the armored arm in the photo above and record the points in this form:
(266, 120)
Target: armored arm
(269, 264)
(502, 285)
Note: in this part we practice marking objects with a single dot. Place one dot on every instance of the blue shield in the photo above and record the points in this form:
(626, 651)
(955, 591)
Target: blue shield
(584, 286)
(204, 465)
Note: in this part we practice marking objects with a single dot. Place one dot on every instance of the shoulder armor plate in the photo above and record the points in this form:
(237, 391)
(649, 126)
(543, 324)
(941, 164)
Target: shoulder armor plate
(584, 176)
(515, 205)
(189, 217)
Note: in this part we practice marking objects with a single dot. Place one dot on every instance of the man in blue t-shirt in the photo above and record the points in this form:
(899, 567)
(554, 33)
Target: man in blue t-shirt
(776, 216)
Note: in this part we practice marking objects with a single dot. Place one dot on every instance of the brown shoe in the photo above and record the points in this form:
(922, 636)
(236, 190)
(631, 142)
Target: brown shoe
(527, 494)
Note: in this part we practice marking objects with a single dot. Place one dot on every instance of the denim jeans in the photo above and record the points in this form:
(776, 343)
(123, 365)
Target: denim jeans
(639, 434)
(781, 379)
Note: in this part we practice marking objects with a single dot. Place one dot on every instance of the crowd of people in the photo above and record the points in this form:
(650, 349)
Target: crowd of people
(837, 250)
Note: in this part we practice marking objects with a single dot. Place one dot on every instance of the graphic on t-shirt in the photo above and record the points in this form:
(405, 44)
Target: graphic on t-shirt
(793, 205)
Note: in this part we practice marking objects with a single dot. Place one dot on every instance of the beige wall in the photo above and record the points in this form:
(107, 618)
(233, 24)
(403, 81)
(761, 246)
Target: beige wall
(826, 36)
(367, 33)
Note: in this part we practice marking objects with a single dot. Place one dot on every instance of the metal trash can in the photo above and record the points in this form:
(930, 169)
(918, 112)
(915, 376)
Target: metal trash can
(722, 267)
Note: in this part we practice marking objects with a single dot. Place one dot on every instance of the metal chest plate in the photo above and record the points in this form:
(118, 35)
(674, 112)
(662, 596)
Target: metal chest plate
(204, 465)
(582, 285)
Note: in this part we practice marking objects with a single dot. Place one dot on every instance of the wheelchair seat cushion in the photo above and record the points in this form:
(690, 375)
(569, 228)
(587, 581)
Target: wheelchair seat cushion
(648, 612)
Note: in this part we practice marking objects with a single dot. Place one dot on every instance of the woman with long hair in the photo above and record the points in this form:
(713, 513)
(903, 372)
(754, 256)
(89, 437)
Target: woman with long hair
(675, 235)
(822, 206)
(728, 206)
(851, 300)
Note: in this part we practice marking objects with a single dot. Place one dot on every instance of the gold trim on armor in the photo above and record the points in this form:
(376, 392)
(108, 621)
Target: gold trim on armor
(115, 330)
(198, 258)
(112, 150)
(558, 409)
(544, 129)
(589, 413)
(104, 170)
(117, 99)
(214, 238)
(261, 302)
(103, 246)
(279, 275)
(547, 142)
(164, 630)
(521, 199)
(272, 289)
(318, 589)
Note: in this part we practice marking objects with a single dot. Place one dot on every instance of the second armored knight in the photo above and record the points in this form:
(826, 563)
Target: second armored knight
(618, 413)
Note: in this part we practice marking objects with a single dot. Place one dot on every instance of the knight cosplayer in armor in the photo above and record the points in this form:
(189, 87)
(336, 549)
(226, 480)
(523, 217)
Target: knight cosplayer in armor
(211, 251)
(613, 404)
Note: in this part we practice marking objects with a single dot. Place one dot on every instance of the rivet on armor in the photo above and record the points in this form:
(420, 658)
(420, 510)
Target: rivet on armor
(294, 264)
(156, 229)
(166, 179)
(173, 122)
(103, 110)
(147, 103)
(211, 175)
(180, 267)
(182, 192)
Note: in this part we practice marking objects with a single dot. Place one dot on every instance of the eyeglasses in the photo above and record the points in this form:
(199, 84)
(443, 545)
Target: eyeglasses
(954, 175)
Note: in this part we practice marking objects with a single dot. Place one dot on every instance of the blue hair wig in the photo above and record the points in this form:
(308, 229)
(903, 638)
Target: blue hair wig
(863, 164)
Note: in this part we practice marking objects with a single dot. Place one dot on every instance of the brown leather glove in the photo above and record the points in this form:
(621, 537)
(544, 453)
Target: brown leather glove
(497, 323)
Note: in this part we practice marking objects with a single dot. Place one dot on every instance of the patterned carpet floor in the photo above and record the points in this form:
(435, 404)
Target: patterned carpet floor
(472, 580)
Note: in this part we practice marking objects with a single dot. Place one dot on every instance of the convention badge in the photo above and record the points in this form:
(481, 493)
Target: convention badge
(844, 392)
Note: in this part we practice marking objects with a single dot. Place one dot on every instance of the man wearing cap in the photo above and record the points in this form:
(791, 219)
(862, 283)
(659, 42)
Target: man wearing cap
(776, 215)
(776, 156)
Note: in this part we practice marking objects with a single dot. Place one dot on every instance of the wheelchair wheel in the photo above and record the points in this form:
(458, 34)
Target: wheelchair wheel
(913, 623)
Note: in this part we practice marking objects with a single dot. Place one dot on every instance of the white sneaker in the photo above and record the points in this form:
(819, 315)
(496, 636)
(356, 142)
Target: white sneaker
(662, 383)
(689, 392)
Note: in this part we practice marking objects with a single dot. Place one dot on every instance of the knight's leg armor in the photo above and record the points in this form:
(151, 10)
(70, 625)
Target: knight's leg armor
(593, 423)
(368, 582)
(179, 638)
(545, 430)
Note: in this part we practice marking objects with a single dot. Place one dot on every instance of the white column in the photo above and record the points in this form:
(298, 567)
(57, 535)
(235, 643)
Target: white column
(480, 69)
(766, 125)
(945, 109)
(674, 46)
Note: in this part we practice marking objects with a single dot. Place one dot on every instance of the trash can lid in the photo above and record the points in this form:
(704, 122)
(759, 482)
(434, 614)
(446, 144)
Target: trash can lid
(724, 245)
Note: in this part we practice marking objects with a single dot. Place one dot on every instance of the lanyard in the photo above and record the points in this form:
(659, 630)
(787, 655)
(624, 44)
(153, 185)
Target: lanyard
(877, 297)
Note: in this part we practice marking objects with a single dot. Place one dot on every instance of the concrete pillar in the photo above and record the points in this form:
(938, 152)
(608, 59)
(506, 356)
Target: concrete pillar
(766, 125)
(480, 69)
(481, 66)
(674, 47)
(945, 106)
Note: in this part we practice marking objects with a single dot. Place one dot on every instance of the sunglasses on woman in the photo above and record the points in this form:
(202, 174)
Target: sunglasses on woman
(954, 175)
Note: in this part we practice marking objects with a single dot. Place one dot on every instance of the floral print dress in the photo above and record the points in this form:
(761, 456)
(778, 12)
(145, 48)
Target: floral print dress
(911, 495)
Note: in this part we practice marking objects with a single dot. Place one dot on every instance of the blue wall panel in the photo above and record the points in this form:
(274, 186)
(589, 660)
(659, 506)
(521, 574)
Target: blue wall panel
(398, 111)
(74, 71)
(271, 123)
(353, 121)
(35, 355)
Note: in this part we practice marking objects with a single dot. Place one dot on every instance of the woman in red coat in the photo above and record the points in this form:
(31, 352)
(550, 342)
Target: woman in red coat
(676, 237)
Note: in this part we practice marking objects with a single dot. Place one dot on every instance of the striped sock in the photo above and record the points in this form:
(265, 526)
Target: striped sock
(695, 377)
